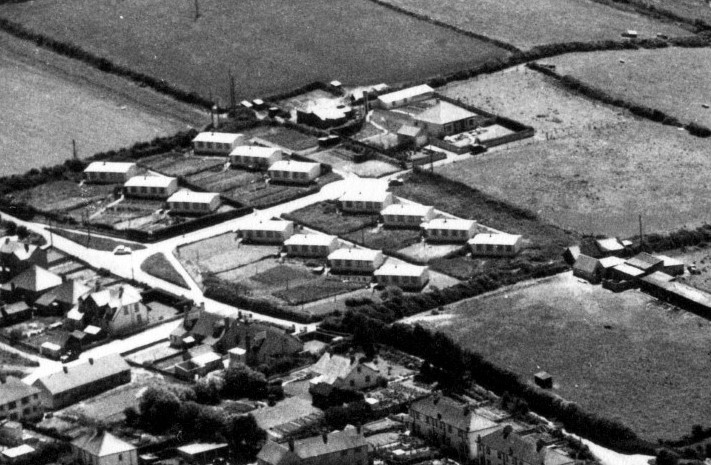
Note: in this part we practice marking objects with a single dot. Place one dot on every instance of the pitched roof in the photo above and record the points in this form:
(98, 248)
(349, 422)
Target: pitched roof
(310, 239)
(102, 444)
(611, 262)
(353, 253)
(337, 441)
(276, 454)
(669, 261)
(406, 209)
(454, 413)
(586, 264)
(644, 261)
(17, 307)
(370, 195)
(406, 93)
(68, 293)
(443, 113)
(293, 166)
(449, 223)
(266, 225)
(221, 137)
(19, 249)
(523, 448)
(410, 131)
(13, 390)
(117, 298)
(82, 374)
(610, 244)
(149, 181)
(495, 239)
(109, 167)
(400, 269)
(628, 270)
(35, 279)
(334, 367)
(185, 195)
(254, 151)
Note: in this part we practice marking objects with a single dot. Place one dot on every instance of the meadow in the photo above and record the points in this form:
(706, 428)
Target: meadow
(268, 45)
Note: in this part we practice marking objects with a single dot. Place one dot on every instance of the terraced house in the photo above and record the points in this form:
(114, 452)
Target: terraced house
(506, 447)
(347, 447)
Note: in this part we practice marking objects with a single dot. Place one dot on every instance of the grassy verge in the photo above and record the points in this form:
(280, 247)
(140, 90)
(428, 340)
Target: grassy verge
(158, 265)
(104, 244)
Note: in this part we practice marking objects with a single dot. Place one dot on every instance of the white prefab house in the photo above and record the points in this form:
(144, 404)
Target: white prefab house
(153, 187)
(365, 201)
(403, 275)
(499, 245)
(311, 245)
(216, 143)
(406, 215)
(406, 96)
(194, 203)
(300, 172)
(354, 260)
(267, 231)
(449, 230)
(254, 156)
(106, 172)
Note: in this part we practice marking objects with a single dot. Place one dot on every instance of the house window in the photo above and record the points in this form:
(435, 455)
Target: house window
(12, 405)
(125, 310)
(509, 248)
(120, 457)
(367, 379)
(144, 190)
(352, 383)
(344, 453)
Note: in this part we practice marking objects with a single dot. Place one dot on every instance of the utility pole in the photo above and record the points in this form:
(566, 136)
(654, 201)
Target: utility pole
(197, 10)
(233, 98)
(74, 149)
(641, 232)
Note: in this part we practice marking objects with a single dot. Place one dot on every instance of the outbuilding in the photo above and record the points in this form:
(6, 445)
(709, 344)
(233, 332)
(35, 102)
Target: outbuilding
(412, 136)
(625, 272)
(216, 143)
(266, 231)
(151, 187)
(610, 246)
(498, 245)
(543, 379)
(406, 215)
(202, 453)
(405, 96)
(588, 268)
(355, 260)
(608, 263)
(646, 262)
(194, 203)
(299, 172)
(311, 245)
(403, 275)
(106, 172)
(671, 266)
(365, 201)
(254, 156)
(449, 230)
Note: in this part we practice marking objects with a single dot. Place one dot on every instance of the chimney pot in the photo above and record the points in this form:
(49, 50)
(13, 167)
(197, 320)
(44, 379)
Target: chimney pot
(65, 368)
(325, 438)
(27, 247)
(91, 361)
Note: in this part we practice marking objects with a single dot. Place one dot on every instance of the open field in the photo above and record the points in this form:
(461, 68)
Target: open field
(158, 265)
(49, 100)
(633, 359)
(673, 80)
(291, 44)
(366, 169)
(541, 22)
(64, 195)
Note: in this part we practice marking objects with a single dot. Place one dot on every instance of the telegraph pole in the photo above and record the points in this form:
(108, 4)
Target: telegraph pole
(74, 149)
(233, 98)
(197, 10)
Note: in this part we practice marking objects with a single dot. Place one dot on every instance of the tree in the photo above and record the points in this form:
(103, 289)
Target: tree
(242, 381)
(22, 232)
(666, 457)
(245, 436)
(159, 409)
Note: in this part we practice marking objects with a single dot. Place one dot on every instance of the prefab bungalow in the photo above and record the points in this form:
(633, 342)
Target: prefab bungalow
(267, 231)
(365, 201)
(311, 245)
(671, 266)
(449, 230)
(299, 172)
(588, 268)
(151, 187)
(106, 172)
(405, 96)
(498, 245)
(216, 143)
(403, 275)
(254, 156)
(406, 215)
(444, 119)
(194, 203)
(355, 260)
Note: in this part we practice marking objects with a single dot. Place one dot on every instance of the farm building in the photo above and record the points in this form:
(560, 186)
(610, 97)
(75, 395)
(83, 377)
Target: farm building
(267, 231)
(30, 284)
(671, 266)
(365, 201)
(412, 136)
(625, 272)
(188, 202)
(499, 245)
(646, 262)
(405, 96)
(16, 256)
(687, 297)
(77, 382)
(354, 260)
(449, 230)
(311, 245)
(608, 263)
(216, 143)
(406, 215)
(103, 448)
(571, 254)
(106, 172)
(588, 268)
(299, 172)
(444, 119)
(18, 401)
(325, 117)
(403, 275)
(610, 246)
(152, 187)
(254, 156)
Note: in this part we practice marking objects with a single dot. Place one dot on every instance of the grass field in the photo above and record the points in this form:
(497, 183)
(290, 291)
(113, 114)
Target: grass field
(324, 216)
(690, 9)
(290, 43)
(158, 265)
(220, 253)
(632, 359)
(541, 22)
(48, 101)
(316, 290)
(673, 80)
(64, 195)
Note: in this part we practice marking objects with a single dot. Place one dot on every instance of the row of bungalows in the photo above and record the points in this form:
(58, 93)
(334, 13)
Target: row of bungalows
(216, 143)
(255, 157)
(105, 172)
(297, 172)
(371, 202)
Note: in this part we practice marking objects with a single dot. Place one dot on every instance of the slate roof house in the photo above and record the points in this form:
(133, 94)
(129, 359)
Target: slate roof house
(347, 447)
(504, 446)
(19, 401)
(30, 284)
(16, 257)
(114, 310)
(339, 372)
(61, 299)
(103, 448)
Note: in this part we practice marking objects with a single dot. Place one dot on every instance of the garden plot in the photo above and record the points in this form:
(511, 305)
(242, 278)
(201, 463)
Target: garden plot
(366, 169)
(224, 252)
(180, 164)
(58, 196)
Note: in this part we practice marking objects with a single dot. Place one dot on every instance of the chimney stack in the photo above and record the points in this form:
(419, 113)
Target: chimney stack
(120, 292)
(91, 361)
(65, 368)
(291, 444)
(325, 438)
(359, 429)
(507, 431)
(27, 247)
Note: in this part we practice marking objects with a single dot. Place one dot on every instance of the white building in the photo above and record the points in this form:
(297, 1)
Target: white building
(267, 231)
(103, 448)
(254, 156)
(216, 143)
(106, 172)
(499, 245)
(200, 203)
(311, 245)
(353, 260)
(300, 172)
(405, 96)
(403, 275)
(153, 187)
(406, 215)
(369, 201)
(449, 230)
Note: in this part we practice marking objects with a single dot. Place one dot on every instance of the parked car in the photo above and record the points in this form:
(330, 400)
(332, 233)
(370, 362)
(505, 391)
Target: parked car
(122, 250)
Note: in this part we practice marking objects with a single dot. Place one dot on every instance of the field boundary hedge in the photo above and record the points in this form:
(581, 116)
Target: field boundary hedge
(658, 13)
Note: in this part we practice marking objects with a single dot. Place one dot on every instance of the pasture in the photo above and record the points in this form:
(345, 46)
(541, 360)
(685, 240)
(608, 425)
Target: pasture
(673, 80)
(269, 46)
(528, 24)
(633, 359)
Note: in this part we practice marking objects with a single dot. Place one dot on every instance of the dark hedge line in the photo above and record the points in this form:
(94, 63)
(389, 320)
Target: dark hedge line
(700, 236)
(103, 64)
(657, 12)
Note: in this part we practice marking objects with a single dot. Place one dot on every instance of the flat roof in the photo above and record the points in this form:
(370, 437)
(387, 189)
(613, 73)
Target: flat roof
(221, 137)
(611, 262)
(254, 151)
(495, 239)
(365, 196)
(449, 223)
(629, 270)
(406, 93)
(310, 239)
(18, 451)
(610, 244)
(109, 167)
(185, 195)
(204, 359)
(266, 225)
(354, 254)
(293, 166)
(669, 261)
(400, 269)
(149, 181)
(406, 209)
(201, 448)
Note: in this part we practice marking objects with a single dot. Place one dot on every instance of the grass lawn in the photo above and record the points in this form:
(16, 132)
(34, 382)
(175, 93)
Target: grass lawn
(324, 216)
(625, 356)
(290, 43)
(12, 358)
(158, 265)
(221, 253)
(366, 169)
(380, 238)
(178, 164)
(95, 242)
(315, 290)
(540, 22)
(673, 80)
(281, 275)
(64, 195)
